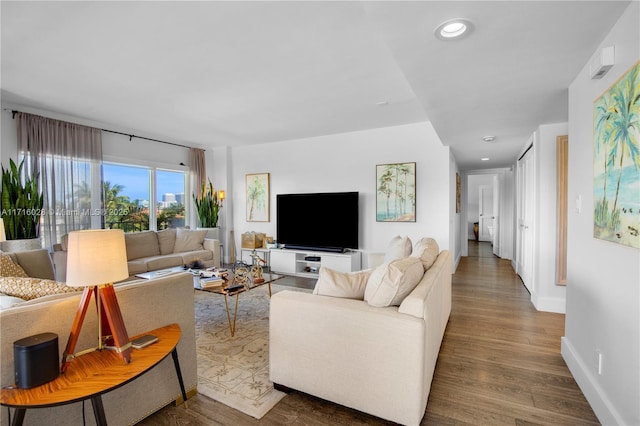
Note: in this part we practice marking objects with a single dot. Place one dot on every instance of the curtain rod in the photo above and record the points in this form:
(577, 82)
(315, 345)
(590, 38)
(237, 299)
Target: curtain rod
(131, 136)
(147, 139)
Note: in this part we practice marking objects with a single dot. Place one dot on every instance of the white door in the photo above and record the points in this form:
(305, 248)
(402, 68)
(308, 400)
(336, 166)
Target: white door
(485, 212)
(525, 196)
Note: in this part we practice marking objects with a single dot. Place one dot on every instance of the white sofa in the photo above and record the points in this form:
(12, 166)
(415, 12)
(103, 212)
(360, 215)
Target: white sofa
(145, 305)
(377, 360)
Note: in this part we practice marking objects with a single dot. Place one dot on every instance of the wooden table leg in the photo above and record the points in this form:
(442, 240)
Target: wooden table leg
(18, 416)
(176, 364)
(98, 411)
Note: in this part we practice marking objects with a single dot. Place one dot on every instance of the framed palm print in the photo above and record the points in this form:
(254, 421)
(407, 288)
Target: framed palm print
(257, 191)
(616, 161)
(396, 192)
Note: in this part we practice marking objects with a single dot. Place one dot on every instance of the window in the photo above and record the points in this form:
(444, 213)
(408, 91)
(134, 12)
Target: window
(130, 192)
(171, 200)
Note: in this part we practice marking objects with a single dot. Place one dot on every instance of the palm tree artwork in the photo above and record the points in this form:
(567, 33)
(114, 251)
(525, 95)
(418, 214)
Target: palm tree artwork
(396, 192)
(257, 186)
(616, 161)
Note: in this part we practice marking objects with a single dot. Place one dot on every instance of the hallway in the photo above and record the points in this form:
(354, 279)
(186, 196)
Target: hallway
(500, 360)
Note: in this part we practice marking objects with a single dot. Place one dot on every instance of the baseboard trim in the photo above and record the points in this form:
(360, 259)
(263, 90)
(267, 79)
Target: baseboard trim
(549, 304)
(595, 395)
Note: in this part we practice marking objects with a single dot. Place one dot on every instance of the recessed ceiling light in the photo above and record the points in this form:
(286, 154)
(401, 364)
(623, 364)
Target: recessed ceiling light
(488, 138)
(454, 29)
(382, 103)
(485, 159)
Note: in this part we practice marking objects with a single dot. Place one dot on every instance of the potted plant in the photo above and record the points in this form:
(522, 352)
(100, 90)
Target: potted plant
(208, 205)
(21, 201)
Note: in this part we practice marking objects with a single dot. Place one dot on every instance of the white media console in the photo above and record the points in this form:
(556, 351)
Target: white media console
(301, 263)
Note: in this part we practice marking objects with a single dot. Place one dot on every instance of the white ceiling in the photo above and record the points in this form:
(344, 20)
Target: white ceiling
(231, 73)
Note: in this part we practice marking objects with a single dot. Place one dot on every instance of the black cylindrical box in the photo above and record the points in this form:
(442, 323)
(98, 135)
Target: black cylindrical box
(36, 360)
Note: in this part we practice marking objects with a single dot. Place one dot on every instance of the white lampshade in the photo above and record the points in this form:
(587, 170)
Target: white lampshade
(3, 236)
(95, 257)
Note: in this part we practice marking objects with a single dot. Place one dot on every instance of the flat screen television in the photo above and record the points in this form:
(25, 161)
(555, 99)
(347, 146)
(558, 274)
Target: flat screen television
(320, 221)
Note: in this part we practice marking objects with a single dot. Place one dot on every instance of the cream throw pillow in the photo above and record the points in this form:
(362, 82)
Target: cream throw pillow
(348, 285)
(390, 283)
(166, 240)
(399, 247)
(189, 240)
(31, 288)
(10, 269)
(427, 251)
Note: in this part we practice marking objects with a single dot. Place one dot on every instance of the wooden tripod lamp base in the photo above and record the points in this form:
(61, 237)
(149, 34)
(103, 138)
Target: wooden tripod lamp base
(95, 257)
(112, 333)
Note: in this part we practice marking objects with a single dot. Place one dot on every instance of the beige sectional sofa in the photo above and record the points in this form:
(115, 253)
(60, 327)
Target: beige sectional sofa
(379, 360)
(155, 250)
(145, 305)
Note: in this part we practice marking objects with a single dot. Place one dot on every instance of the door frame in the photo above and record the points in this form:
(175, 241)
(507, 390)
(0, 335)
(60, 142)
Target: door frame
(506, 215)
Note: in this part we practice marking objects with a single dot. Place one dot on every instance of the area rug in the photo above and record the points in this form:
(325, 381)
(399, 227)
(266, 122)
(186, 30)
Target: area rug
(235, 370)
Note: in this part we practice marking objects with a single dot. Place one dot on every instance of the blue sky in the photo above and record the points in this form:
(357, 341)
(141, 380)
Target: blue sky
(136, 181)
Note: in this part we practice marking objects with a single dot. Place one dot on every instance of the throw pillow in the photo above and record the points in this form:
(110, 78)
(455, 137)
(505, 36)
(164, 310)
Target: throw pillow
(10, 269)
(427, 251)
(30, 288)
(399, 247)
(348, 285)
(167, 240)
(390, 283)
(141, 244)
(189, 240)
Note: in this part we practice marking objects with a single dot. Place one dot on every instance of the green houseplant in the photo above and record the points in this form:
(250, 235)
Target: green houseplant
(208, 205)
(21, 202)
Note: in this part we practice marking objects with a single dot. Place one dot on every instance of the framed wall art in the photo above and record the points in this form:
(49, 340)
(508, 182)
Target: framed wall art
(257, 187)
(616, 161)
(396, 192)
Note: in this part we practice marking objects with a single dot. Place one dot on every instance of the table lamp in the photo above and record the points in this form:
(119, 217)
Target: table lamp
(95, 259)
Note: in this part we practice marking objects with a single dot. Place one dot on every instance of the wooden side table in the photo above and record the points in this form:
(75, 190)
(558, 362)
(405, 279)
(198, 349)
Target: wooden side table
(93, 374)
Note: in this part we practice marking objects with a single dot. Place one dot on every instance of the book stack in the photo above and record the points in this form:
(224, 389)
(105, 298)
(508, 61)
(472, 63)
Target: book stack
(213, 282)
(213, 278)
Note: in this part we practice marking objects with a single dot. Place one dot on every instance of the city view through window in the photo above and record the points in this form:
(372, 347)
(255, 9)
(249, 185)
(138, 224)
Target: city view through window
(127, 191)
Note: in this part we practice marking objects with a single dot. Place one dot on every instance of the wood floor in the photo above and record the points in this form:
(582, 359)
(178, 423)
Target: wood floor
(499, 364)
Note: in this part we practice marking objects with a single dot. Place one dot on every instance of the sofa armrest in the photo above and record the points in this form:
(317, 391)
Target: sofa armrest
(337, 348)
(214, 246)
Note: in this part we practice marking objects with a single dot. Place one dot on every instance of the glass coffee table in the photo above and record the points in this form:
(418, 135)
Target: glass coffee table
(231, 286)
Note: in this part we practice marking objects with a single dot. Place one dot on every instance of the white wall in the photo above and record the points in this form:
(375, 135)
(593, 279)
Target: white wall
(346, 162)
(603, 279)
(546, 295)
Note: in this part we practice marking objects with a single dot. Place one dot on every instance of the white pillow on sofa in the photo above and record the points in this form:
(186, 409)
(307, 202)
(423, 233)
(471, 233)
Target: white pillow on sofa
(427, 251)
(399, 247)
(347, 285)
(390, 283)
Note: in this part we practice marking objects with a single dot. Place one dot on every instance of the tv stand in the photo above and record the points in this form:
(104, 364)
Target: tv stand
(295, 262)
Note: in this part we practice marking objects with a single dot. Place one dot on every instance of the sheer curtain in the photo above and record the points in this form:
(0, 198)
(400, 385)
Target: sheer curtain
(68, 158)
(198, 172)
